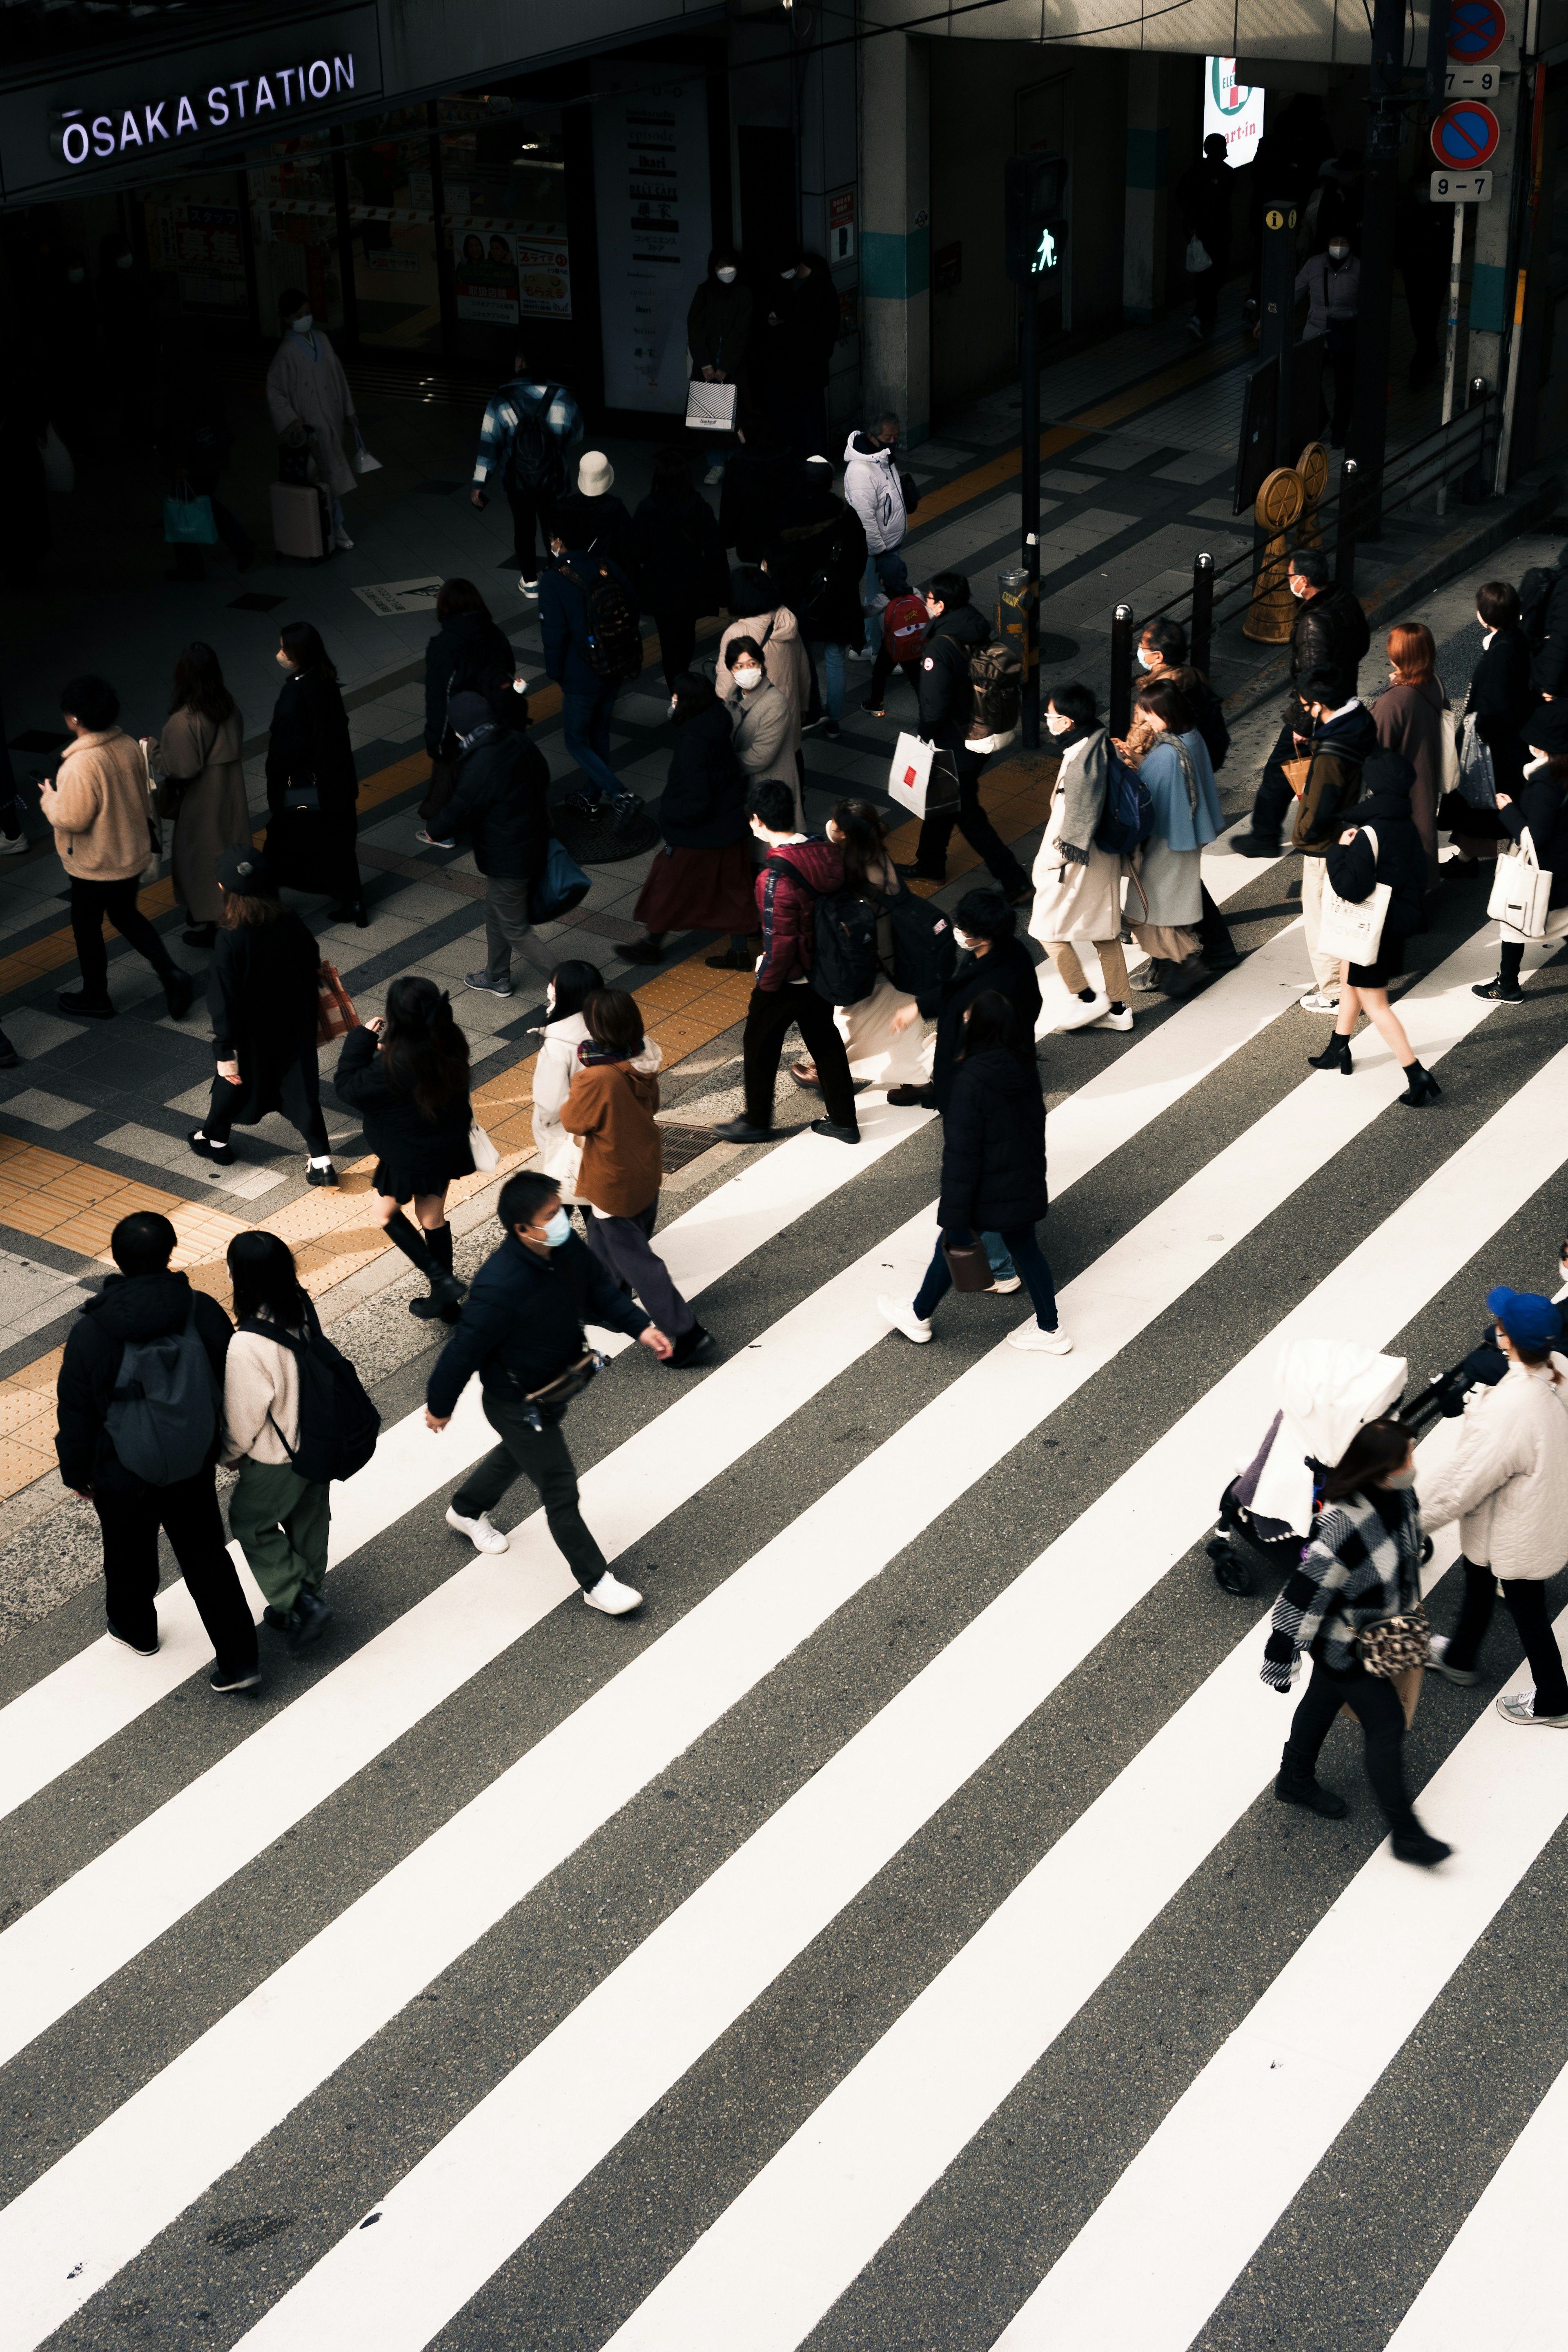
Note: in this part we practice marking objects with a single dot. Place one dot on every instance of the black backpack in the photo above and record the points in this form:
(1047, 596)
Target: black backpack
(924, 948)
(996, 674)
(164, 1406)
(535, 459)
(843, 952)
(615, 638)
(337, 1423)
(1534, 596)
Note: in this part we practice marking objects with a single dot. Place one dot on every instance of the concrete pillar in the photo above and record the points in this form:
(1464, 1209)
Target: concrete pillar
(895, 237)
(1146, 235)
(1490, 282)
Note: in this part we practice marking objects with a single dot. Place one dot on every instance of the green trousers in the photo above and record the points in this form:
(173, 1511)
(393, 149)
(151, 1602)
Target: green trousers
(280, 1522)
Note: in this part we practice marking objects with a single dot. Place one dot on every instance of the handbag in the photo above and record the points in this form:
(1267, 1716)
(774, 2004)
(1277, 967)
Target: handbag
(1477, 776)
(922, 779)
(1352, 928)
(149, 873)
(335, 1014)
(1452, 725)
(710, 407)
(968, 1266)
(188, 521)
(363, 461)
(301, 798)
(1198, 257)
(558, 887)
(481, 1150)
(1520, 893)
(1391, 1646)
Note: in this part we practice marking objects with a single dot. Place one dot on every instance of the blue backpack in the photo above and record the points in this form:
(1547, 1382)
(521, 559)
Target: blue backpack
(1129, 812)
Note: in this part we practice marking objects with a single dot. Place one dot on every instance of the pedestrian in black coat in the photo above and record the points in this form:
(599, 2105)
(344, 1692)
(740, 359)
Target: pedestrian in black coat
(1540, 805)
(993, 1172)
(702, 878)
(991, 957)
(946, 706)
(591, 517)
(756, 486)
(502, 803)
(468, 654)
(263, 1003)
(1549, 665)
(312, 781)
(1329, 632)
(1500, 700)
(817, 565)
(678, 560)
(407, 1076)
(1381, 845)
(146, 1301)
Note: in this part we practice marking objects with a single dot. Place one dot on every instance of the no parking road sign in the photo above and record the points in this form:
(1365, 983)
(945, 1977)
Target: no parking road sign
(1476, 30)
(1464, 135)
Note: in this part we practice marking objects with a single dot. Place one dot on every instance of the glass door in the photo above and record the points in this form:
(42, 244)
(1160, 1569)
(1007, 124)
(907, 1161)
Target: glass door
(294, 227)
(392, 231)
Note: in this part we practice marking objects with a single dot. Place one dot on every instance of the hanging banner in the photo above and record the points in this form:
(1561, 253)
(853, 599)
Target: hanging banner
(651, 181)
(1233, 109)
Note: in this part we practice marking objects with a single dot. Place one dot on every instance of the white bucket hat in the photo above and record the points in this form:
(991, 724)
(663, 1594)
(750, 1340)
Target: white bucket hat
(595, 473)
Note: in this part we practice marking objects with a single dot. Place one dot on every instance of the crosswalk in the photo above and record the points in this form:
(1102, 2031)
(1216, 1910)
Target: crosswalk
(750, 1945)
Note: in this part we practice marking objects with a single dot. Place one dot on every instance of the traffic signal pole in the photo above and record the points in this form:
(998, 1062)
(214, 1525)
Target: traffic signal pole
(1029, 713)
(1035, 195)
(1369, 417)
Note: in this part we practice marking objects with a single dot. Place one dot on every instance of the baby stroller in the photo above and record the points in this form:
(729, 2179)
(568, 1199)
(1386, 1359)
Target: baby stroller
(1326, 1389)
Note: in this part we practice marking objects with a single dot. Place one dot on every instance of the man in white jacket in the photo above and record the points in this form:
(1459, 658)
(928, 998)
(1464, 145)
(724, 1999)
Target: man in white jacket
(1506, 1481)
(873, 487)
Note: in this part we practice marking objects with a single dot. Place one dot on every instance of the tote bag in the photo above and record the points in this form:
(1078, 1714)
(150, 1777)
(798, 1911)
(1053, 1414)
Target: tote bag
(482, 1152)
(922, 778)
(1352, 928)
(1519, 894)
(561, 885)
(335, 1014)
(1478, 777)
(188, 521)
(710, 407)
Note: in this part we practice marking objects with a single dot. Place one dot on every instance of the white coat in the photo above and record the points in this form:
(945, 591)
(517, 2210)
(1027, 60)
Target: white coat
(560, 1154)
(1504, 1476)
(306, 386)
(1073, 901)
(873, 487)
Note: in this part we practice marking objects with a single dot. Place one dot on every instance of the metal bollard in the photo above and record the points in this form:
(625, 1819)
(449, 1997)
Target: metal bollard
(1202, 630)
(1344, 538)
(1472, 482)
(1121, 717)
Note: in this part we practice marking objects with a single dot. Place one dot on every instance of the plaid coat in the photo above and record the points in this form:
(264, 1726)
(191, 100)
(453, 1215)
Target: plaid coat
(560, 420)
(1354, 1571)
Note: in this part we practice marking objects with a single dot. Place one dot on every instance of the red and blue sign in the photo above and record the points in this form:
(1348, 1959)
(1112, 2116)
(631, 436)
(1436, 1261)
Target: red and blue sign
(1476, 30)
(1464, 135)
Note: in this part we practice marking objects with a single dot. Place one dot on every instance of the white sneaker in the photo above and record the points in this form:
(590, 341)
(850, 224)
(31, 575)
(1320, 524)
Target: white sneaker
(9, 848)
(713, 477)
(1079, 1015)
(1121, 1019)
(615, 1598)
(858, 654)
(1319, 1000)
(1036, 1342)
(1006, 1285)
(901, 1314)
(1519, 1706)
(342, 538)
(528, 588)
(480, 1533)
(1437, 1660)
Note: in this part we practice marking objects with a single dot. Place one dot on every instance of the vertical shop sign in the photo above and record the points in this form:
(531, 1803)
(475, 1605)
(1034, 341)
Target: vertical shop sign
(651, 183)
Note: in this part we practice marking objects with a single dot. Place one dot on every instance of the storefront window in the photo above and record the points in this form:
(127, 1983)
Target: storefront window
(392, 231)
(504, 171)
(294, 224)
(195, 247)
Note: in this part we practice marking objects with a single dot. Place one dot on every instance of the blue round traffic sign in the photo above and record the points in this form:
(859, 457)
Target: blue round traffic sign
(1464, 135)
(1476, 30)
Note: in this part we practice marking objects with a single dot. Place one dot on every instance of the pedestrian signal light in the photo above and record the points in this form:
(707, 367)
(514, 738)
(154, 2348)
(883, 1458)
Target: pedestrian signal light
(1036, 198)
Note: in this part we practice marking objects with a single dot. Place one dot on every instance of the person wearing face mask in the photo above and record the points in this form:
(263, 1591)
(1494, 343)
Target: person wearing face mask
(1165, 899)
(308, 400)
(701, 879)
(719, 328)
(311, 779)
(1500, 700)
(1362, 1567)
(501, 804)
(1540, 807)
(1329, 632)
(522, 1332)
(1162, 656)
(1332, 283)
(874, 486)
(957, 629)
(799, 328)
(1077, 885)
(762, 722)
(560, 1154)
(990, 955)
(1504, 1476)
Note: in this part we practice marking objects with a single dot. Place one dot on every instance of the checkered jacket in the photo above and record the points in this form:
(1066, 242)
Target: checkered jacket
(561, 420)
(1355, 1570)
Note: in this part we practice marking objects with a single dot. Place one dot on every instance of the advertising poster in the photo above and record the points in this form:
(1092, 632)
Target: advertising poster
(484, 272)
(651, 180)
(202, 245)
(544, 281)
(1233, 109)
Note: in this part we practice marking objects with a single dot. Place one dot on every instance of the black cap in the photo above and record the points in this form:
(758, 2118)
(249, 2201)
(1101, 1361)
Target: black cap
(469, 710)
(242, 870)
(1387, 772)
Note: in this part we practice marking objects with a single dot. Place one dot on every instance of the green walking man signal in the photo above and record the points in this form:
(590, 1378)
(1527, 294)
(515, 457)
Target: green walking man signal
(1035, 187)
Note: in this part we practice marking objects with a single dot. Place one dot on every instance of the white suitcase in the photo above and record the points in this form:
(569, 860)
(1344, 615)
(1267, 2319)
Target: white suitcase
(301, 521)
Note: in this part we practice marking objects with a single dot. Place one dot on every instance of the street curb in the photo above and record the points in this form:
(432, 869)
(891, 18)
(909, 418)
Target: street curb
(1504, 518)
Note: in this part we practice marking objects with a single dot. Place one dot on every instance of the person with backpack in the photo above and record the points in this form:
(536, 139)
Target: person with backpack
(956, 632)
(610, 1110)
(467, 654)
(889, 947)
(875, 488)
(1077, 883)
(529, 430)
(1539, 807)
(905, 620)
(1162, 654)
(293, 1408)
(1329, 632)
(522, 1331)
(1184, 815)
(501, 804)
(592, 648)
(407, 1076)
(591, 517)
(993, 1174)
(1499, 701)
(678, 560)
(816, 564)
(140, 1393)
(701, 879)
(796, 872)
(1325, 775)
(264, 1003)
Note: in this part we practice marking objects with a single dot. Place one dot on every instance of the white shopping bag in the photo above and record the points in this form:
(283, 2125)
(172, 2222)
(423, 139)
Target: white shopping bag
(710, 407)
(1521, 894)
(1352, 928)
(923, 778)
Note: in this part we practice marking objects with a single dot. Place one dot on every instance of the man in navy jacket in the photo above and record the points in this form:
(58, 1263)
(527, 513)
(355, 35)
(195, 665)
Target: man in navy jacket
(585, 698)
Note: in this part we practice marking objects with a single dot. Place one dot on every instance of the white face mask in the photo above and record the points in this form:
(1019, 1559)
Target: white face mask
(964, 940)
(558, 1229)
(724, 277)
(549, 998)
(785, 273)
(671, 706)
(303, 324)
(747, 679)
(1339, 253)
(1147, 660)
(1297, 586)
(1401, 1477)
(1057, 723)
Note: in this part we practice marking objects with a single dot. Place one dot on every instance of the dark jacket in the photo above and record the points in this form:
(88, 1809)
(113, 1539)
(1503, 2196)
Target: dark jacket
(423, 1154)
(1401, 858)
(602, 524)
(677, 556)
(1008, 967)
(817, 565)
(1549, 667)
(751, 503)
(1502, 698)
(942, 675)
(501, 802)
(129, 1306)
(787, 909)
(719, 328)
(522, 1321)
(467, 654)
(261, 996)
(1329, 632)
(1333, 778)
(800, 327)
(1203, 196)
(1540, 803)
(563, 622)
(309, 738)
(993, 1145)
(703, 805)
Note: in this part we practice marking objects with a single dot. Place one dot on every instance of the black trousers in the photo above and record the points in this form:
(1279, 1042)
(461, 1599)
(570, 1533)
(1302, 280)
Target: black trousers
(541, 1457)
(768, 1014)
(531, 503)
(1214, 931)
(1205, 287)
(189, 1514)
(90, 902)
(1526, 1601)
(1274, 797)
(300, 1104)
(1375, 1703)
(937, 832)
(677, 641)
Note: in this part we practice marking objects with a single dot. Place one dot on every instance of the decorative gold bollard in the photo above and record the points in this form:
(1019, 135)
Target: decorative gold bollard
(1313, 465)
(1273, 608)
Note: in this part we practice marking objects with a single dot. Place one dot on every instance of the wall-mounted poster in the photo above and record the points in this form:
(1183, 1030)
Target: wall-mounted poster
(651, 181)
(202, 246)
(544, 281)
(484, 275)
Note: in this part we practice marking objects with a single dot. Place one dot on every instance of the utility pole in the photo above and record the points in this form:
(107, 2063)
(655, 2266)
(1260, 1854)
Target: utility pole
(1385, 106)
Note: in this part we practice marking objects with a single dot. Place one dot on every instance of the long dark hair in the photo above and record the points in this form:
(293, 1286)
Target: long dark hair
(459, 596)
(264, 1275)
(574, 983)
(1375, 1449)
(1168, 702)
(693, 694)
(992, 1022)
(863, 845)
(301, 641)
(424, 1051)
(614, 1020)
(199, 684)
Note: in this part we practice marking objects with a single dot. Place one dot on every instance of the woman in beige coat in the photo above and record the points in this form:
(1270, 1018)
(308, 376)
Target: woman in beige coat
(759, 715)
(1077, 887)
(309, 401)
(197, 761)
(775, 628)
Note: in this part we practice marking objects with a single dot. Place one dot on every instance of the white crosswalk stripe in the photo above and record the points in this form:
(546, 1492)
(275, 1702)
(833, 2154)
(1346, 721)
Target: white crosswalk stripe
(1175, 2227)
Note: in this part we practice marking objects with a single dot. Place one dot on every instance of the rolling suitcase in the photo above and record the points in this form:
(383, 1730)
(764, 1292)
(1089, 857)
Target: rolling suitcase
(301, 521)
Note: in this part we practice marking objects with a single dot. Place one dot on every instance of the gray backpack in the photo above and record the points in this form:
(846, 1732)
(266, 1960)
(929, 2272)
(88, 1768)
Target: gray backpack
(163, 1408)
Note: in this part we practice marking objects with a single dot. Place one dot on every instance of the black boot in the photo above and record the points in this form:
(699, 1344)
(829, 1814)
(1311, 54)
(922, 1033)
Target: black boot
(650, 950)
(1303, 1788)
(1421, 1089)
(1335, 1056)
(444, 1301)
